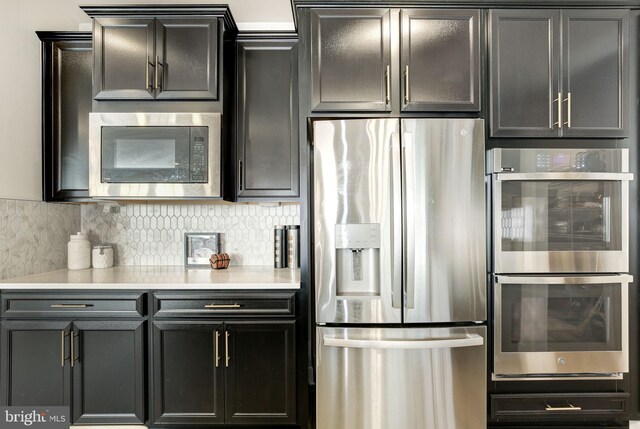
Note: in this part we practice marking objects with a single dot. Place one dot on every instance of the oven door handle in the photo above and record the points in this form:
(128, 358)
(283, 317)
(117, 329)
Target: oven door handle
(618, 278)
(470, 340)
(615, 177)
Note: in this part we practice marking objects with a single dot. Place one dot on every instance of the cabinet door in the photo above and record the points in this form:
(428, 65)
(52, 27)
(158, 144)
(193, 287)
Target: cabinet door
(440, 60)
(108, 372)
(123, 58)
(67, 67)
(35, 363)
(595, 76)
(260, 372)
(186, 62)
(188, 371)
(267, 94)
(350, 60)
(525, 73)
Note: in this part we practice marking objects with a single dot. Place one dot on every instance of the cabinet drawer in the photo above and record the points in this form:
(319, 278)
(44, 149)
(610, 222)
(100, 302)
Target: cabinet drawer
(30, 305)
(558, 406)
(226, 304)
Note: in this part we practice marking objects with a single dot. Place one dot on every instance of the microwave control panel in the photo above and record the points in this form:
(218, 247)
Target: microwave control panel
(199, 155)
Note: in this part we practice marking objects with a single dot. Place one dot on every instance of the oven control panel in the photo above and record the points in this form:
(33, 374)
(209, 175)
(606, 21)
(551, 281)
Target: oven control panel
(199, 155)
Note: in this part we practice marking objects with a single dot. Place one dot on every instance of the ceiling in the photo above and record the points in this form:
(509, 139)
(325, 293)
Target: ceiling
(262, 15)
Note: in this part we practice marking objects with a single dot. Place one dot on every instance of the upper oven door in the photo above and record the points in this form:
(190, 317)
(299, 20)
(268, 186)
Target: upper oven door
(145, 154)
(561, 222)
(561, 325)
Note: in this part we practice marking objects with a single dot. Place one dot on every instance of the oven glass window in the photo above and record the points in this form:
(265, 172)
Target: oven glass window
(559, 317)
(561, 215)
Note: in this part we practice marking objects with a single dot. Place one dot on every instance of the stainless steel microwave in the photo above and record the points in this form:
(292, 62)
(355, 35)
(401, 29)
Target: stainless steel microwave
(154, 155)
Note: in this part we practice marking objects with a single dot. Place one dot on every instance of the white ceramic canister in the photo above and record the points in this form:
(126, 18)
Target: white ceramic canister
(102, 256)
(79, 252)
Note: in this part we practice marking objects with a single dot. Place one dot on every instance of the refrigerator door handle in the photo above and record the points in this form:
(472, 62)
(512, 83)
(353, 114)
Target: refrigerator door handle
(470, 340)
(408, 213)
(396, 239)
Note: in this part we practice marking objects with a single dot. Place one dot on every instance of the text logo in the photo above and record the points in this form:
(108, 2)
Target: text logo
(34, 417)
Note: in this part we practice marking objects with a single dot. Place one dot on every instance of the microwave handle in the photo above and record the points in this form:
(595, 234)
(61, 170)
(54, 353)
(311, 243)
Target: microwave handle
(616, 177)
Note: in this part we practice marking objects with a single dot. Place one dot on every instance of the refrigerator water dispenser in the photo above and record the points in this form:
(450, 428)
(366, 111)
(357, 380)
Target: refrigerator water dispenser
(358, 259)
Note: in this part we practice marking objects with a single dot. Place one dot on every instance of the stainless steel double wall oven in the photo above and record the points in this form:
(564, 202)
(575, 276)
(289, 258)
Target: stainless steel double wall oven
(560, 262)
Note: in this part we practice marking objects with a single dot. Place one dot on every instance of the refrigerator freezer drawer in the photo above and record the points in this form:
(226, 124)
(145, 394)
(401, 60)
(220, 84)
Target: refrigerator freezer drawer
(410, 378)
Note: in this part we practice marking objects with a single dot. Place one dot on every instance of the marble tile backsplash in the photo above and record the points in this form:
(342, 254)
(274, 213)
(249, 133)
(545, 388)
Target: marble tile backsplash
(34, 236)
(153, 234)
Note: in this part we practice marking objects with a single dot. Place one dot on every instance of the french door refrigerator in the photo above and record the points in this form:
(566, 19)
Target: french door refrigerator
(400, 273)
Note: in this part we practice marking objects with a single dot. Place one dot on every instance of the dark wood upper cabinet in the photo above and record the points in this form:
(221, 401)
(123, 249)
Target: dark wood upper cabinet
(440, 60)
(267, 119)
(67, 64)
(188, 365)
(124, 55)
(559, 73)
(350, 60)
(595, 73)
(384, 60)
(260, 377)
(187, 58)
(159, 52)
(109, 372)
(35, 363)
(525, 73)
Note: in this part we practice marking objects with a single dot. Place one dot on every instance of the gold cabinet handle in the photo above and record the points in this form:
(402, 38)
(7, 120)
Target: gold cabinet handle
(73, 357)
(559, 101)
(569, 408)
(216, 348)
(147, 83)
(387, 85)
(62, 358)
(568, 100)
(406, 85)
(69, 305)
(226, 348)
(222, 306)
(157, 67)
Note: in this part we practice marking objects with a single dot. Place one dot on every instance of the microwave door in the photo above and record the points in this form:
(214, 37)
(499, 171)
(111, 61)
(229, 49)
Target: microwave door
(146, 154)
(356, 236)
(444, 220)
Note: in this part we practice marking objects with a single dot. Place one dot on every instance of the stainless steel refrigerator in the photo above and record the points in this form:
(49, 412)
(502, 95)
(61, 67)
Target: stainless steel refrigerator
(400, 273)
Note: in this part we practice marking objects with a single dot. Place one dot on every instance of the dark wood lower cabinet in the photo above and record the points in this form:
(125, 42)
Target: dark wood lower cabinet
(237, 369)
(260, 377)
(216, 372)
(35, 363)
(188, 371)
(109, 372)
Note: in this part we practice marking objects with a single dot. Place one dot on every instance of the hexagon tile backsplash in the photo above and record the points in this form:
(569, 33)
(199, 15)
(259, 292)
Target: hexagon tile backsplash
(34, 236)
(153, 234)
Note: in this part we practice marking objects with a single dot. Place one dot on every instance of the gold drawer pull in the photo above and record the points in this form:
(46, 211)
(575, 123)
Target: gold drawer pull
(222, 306)
(569, 408)
(69, 305)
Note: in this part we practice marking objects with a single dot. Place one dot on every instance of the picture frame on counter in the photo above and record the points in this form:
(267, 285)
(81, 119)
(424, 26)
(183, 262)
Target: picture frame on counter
(199, 246)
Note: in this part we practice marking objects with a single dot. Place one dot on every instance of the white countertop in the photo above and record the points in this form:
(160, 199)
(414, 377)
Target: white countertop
(160, 277)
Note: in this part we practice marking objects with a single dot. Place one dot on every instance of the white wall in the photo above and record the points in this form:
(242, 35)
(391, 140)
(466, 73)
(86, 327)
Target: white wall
(20, 91)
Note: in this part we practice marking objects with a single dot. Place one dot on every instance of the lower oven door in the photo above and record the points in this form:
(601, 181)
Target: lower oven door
(401, 378)
(553, 326)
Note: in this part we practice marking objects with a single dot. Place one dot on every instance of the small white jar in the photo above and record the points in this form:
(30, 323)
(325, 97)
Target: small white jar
(79, 252)
(102, 256)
